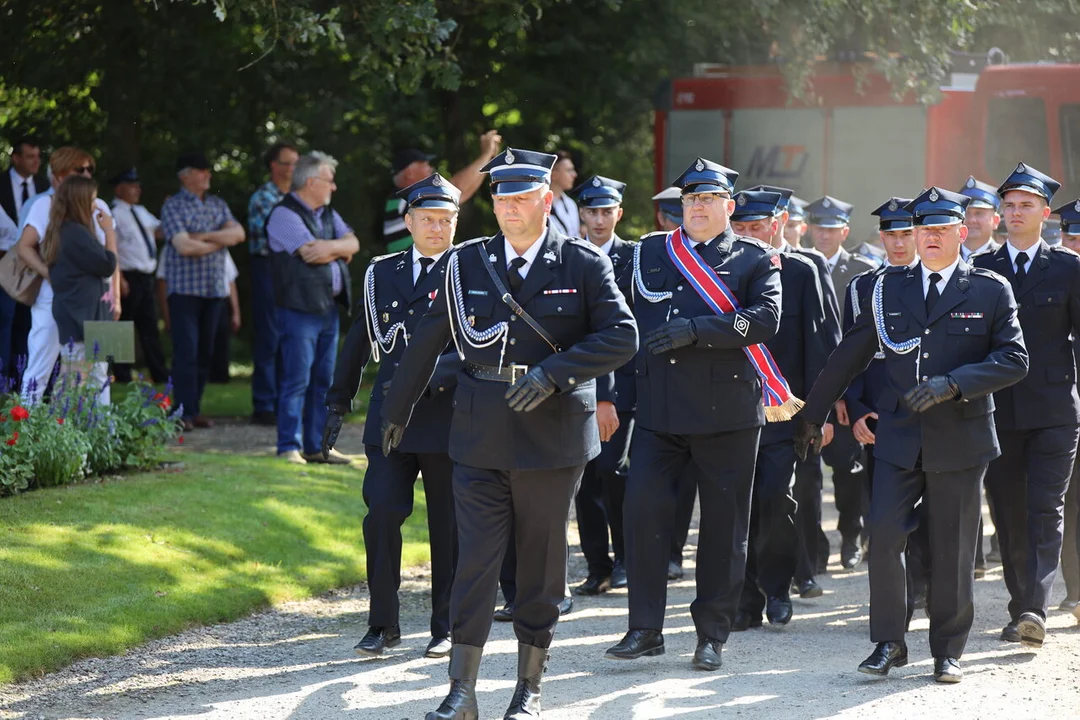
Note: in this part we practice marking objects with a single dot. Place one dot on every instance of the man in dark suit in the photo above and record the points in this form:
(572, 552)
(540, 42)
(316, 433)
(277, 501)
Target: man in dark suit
(1037, 420)
(981, 218)
(950, 337)
(800, 348)
(398, 290)
(599, 501)
(19, 184)
(705, 299)
(828, 219)
(524, 422)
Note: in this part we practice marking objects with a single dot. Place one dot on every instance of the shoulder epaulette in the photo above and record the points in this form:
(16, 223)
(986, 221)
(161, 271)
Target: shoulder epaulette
(890, 269)
(1063, 249)
(380, 258)
(585, 244)
(467, 243)
(755, 242)
(658, 233)
(983, 272)
(799, 259)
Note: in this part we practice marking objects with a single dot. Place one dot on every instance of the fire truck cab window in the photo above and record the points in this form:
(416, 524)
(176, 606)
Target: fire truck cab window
(1069, 116)
(1016, 130)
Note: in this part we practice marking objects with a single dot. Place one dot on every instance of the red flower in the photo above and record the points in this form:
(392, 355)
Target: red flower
(14, 437)
(19, 413)
(165, 404)
(59, 421)
(158, 397)
(180, 439)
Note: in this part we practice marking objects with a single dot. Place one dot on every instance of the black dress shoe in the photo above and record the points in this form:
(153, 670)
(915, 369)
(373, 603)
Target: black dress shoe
(505, 613)
(1009, 633)
(674, 571)
(378, 639)
(1068, 605)
(885, 657)
(850, 553)
(947, 670)
(594, 585)
(438, 648)
(778, 610)
(618, 577)
(744, 621)
(460, 702)
(707, 655)
(637, 644)
(810, 589)
(1032, 629)
(566, 605)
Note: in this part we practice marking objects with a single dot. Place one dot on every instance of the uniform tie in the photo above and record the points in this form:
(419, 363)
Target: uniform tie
(425, 265)
(700, 248)
(516, 281)
(25, 191)
(1021, 261)
(932, 294)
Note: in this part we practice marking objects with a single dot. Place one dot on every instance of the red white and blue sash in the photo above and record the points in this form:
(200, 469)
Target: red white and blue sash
(779, 403)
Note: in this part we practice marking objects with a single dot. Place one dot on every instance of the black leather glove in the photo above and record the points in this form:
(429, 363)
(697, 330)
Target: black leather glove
(330, 432)
(530, 390)
(931, 392)
(808, 438)
(391, 436)
(673, 334)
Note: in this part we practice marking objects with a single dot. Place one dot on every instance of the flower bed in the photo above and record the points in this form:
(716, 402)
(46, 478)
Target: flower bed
(75, 436)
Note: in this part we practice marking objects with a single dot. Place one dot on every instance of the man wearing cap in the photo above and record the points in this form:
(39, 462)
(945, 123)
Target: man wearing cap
(795, 227)
(136, 232)
(950, 338)
(828, 219)
(668, 208)
(410, 166)
(198, 228)
(537, 318)
(599, 502)
(1037, 419)
(981, 217)
(398, 290)
(705, 299)
(1069, 215)
(311, 247)
(800, 348)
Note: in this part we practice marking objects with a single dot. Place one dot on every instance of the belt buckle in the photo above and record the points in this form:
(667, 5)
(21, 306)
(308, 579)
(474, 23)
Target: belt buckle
(517, 371)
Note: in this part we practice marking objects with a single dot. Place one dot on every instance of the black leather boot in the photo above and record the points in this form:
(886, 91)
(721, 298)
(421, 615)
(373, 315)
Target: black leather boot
(460, 702)
(532, 661)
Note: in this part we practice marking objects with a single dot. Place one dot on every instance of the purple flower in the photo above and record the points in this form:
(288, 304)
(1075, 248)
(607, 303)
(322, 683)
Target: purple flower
(32, 386)
(148, 422)
(20, 364)
(97, 349)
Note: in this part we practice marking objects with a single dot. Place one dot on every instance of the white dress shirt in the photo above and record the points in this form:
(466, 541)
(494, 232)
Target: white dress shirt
(416, 266)
(1031, 252)
(529, 255)
(133, 254)
(945, 275)
(606, 247)
(834, 259)
(965, 253)
(564, 216)
(17, 189)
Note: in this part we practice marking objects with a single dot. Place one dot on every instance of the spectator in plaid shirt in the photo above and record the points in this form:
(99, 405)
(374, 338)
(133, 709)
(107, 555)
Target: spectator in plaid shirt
(280, 160)
(198, 227)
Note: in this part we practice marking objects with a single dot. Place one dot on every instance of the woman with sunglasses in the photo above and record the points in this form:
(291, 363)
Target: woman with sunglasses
(44, 339)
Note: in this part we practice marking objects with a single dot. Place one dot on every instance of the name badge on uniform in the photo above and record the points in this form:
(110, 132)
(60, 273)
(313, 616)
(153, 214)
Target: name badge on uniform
(476, 292)
(893, 314)
(561, 291)
(966, 316)
(722, 272)
(650, 271)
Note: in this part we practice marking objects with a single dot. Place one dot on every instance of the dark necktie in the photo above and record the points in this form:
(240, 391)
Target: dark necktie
(700, 248)
(25, 191)
(145, 235)
(514, 275)
(1021, 261)
(932, 294)
(425, 265)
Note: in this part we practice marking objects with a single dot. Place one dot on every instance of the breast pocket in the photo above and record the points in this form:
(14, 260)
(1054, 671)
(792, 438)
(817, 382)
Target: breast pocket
(562, 305)
(896, 328)
(967, 326)
(1043, 298)
(481, 306)
(655, 280)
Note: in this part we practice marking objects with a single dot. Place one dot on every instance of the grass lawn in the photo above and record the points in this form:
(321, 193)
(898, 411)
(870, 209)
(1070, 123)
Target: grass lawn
(90, 570)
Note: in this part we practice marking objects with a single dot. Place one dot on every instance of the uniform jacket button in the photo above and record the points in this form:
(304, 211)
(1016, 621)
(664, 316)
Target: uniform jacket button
(572, 381)
(672, 361)
(675, 311)
(926, 331)
(513, 341)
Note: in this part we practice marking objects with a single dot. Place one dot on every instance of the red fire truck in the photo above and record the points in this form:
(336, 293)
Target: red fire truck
(856, 141)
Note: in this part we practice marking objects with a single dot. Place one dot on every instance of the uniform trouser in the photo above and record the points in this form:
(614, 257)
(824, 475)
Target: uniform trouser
(684, 512)
(599, 502)
(1027, 484)
(773, 544)
(140, 308)
(808, 481)
(725, 474)
(1070, 548)
(842, 455)
(953, 505)
(535, 505)
(388, 494)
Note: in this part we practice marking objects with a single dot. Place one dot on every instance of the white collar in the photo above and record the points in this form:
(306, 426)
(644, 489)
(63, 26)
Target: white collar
(984, 246)
(416, 255)
(529, 255)
(606, 247)
(19, 179)
(945, 273)
(1031, 252)
(835, 258)
(910, 264)
(117, 202)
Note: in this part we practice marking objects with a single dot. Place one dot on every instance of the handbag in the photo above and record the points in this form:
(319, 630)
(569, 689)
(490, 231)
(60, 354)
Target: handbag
(18, 279)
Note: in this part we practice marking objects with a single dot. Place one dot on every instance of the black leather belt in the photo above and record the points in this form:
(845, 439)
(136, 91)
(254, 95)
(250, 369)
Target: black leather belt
(509, 373)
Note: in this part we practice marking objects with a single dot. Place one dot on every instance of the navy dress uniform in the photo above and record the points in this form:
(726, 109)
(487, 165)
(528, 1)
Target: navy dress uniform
(699, 401)
(398, 290)
(524, 422)
(950, 339)
(599, 502)
(982, 195)
(1037, 419)
(844, 454)
(800, 348)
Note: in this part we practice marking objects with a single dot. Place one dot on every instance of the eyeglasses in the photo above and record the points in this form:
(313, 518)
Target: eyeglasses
(84, 170)
(705, 199)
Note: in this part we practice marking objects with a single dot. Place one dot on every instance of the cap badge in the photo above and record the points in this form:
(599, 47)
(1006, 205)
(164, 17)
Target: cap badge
(509, 156)
(893, 206)
(971, 182)
(550, 256)
(933, 195)
(699, 165)
(1021, 168)
(742, 199)
(596, 182)
(436, 181)
(826, 203)
(1076, 207)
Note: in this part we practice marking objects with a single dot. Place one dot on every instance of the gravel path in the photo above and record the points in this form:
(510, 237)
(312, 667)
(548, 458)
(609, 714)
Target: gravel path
(296, 662)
